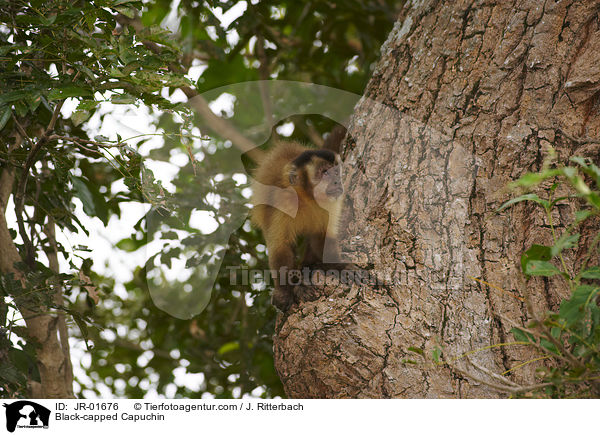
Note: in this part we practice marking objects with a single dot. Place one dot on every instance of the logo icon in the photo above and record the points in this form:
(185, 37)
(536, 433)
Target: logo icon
(26, 414)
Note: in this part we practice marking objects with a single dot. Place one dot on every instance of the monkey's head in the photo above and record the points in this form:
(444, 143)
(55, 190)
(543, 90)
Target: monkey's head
(318, 173)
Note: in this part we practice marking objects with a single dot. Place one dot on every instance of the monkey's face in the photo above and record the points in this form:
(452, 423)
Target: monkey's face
(327, 182)
(318, 173)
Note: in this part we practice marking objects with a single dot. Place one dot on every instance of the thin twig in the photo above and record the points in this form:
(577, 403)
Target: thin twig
(495, 287)
(492, 374)
(79, 141)
(535, 334)
(523, 364)
(500, 387)
(21, 130)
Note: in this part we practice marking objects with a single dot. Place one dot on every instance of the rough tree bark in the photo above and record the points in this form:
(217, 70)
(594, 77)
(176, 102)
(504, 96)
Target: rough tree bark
(464, 100)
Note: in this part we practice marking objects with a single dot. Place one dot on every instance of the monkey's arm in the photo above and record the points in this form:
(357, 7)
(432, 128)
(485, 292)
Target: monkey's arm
(281, 261)
(280, 243)
(313, 253)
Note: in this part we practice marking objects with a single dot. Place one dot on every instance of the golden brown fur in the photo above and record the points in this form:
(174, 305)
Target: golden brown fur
(292, 198)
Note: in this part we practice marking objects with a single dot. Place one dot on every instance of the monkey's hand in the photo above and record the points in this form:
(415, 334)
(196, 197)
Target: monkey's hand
(282, 299)
(307, 293)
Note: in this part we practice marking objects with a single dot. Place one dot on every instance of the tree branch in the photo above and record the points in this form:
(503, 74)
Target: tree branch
(222, 127)
(7, 176)
(22, 185)
(49, 230)
(80, 142)
(42, 328)
(219, 125)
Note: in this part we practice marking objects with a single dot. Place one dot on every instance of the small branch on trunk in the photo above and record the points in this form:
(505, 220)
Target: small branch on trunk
(498, 386)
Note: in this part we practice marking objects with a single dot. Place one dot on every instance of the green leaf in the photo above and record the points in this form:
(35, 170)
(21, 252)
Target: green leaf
(83, 328)
(80, 116)
(21, 108)
(48, 21)
(122, 99)
(416, 350)
(594, 199)
(67, 92)
(566, 241)
(581, 215)
(127, 11)
(589, 168)
(5, 117)
(591, 273)
(574, 309)
(536, 252)
(130, 245)
(83, 193)
(541, 268)
(549, 346)
(10, 96)
(436, 353)
(87, 105)
(10, 374)
(521, 335)
(534, 178)
(115, 72)
(229, 347)
(527, 197)
(579, 160)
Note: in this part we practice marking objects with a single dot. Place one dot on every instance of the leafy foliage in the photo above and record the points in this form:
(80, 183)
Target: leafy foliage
(570, 337)
(101, 55)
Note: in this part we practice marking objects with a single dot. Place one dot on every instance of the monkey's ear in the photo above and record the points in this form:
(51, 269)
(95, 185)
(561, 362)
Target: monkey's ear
(292, 173)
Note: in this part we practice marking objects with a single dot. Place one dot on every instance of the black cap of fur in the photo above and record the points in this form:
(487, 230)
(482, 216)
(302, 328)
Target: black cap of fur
(306, 156)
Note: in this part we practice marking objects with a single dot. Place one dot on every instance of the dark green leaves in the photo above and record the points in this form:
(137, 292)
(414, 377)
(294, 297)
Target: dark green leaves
(576, 308)
(572, 336)
(83, 193)
(68, 91)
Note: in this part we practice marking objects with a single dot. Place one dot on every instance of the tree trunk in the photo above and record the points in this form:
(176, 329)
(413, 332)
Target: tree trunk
(52, 354)
(466, 98)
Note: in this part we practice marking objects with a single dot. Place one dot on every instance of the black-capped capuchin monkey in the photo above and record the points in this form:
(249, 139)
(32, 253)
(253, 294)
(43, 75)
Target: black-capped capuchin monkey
(297, 191)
